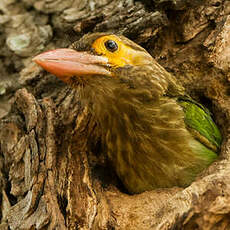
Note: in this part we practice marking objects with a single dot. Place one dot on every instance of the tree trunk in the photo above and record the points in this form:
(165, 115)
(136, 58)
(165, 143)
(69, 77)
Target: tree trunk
(53, 173)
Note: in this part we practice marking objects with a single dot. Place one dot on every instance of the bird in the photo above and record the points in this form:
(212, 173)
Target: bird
(154, 134)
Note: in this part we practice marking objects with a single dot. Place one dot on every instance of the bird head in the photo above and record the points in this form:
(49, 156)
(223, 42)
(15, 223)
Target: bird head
(98, 54)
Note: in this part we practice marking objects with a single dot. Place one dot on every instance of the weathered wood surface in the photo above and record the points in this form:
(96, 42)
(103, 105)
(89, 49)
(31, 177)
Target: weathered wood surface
(53, 174)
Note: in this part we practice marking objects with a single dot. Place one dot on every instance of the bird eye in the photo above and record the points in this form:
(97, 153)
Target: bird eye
(111, 45)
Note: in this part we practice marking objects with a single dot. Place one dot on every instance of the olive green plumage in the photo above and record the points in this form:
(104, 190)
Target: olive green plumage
(154, 135)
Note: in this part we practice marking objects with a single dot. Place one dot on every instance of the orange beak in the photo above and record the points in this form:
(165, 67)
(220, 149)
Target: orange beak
(66, 63)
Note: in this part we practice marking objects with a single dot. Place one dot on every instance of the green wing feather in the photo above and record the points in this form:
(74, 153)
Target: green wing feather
(198, 119)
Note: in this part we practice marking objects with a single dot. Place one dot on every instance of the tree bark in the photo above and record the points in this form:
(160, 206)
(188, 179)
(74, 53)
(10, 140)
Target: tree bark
(53, 173)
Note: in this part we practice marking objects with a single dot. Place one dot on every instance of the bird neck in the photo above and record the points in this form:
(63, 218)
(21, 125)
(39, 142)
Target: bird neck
(115, 96)
(128, 94)
(131, 88)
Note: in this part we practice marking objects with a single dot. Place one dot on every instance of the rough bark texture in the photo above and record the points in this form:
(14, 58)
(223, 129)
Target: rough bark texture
(52, 172)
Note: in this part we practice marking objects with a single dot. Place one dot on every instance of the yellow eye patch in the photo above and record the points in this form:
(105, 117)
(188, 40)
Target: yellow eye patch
(123, 55)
